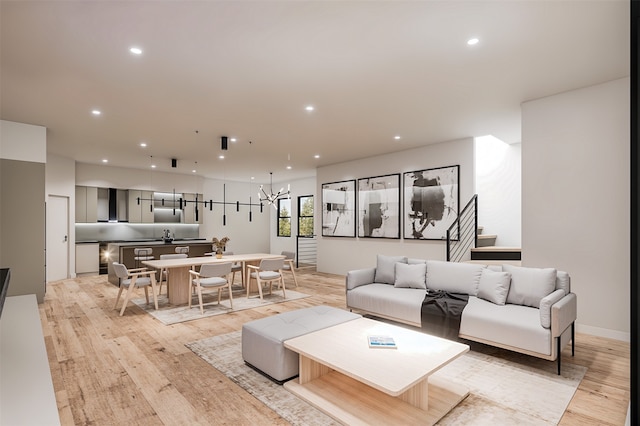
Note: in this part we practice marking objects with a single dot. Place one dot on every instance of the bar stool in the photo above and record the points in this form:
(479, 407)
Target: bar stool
(182, 250)
(141, 254)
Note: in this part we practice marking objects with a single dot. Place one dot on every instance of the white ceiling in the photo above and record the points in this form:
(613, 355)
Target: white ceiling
(373, 70)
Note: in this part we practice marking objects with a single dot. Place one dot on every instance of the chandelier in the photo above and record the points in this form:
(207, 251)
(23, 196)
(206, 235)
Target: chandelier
(271, 198)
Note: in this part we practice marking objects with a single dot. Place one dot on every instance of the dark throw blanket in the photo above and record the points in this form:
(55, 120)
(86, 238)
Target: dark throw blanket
(441, 313)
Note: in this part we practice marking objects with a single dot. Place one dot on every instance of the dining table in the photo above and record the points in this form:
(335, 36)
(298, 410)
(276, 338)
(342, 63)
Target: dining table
(178, 286)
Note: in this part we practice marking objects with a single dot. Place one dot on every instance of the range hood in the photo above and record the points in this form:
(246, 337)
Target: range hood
(113, 205)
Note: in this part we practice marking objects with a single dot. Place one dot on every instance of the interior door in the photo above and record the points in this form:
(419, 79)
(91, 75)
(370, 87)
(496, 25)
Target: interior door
(57, 259)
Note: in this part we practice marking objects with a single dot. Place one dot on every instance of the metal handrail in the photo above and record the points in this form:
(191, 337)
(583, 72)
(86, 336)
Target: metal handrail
(462, 235)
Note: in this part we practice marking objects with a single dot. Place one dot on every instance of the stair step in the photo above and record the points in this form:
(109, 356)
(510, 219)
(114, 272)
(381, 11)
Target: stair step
(486, 240)
(480, 229)
(496, 253)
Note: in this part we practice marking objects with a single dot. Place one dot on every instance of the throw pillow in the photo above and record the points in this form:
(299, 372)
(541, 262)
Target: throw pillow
(411, 276)
(453, 277)
(494, 286)
(386, 268)
(530, 285)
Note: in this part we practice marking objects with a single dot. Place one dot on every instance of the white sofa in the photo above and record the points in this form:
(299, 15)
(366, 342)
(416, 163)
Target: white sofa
(527, 310)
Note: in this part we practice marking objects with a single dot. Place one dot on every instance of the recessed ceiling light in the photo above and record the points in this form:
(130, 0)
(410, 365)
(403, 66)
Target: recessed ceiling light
(233, 139)
(309, 108)
(316, 156)
(396, 137)
(153, 166)
(221, 157)
(193, 171)
(252, 177)
(288, 167)
(472, 41)
(96, 112)
(143, 144)
(136, 50)
(104, 160)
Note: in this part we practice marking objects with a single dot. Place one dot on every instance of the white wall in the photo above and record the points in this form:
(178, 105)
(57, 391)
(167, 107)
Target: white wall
(299, 188)
(575, 198)
(338, 255)
(246, 237)
(23, 142)
(498, 185)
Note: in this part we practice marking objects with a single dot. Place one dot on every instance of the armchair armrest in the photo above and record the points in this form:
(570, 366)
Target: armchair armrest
(545, 307)
(141, 273)
(563, 314)
(257, 268)
(360, 277)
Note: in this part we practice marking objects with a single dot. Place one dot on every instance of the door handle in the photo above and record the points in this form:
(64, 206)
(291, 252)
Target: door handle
(65, 239)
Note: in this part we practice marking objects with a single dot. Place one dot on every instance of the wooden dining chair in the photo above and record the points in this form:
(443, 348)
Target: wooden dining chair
(270, 270)
(134, 278)
(237, 267)
(211, 275)
(289, 258)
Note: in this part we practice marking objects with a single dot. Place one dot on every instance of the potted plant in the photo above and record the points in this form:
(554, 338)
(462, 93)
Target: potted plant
(220, 245)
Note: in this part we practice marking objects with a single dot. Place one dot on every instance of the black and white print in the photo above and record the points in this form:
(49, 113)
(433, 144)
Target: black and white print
(431, 202)
(379, 207)
(339, 209)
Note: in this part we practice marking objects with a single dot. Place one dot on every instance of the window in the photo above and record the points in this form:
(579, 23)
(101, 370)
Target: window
(305, 215)
(284, 217)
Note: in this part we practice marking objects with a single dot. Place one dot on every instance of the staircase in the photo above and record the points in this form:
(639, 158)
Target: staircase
(487, 252)
(466, 241)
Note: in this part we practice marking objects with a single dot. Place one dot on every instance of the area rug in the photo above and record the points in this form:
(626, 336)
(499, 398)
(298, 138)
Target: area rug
(507, 389)
(168, 314)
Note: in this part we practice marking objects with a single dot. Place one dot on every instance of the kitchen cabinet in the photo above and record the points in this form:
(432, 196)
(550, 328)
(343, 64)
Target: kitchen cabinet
(87, 258)
(140, 212)
(190, 209)
(86, 204)
(189, 214)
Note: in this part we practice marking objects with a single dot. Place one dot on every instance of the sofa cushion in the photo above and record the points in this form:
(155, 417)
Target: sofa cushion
(411, 276)
(412, 261)
(563, 282)
(494, 286)
(387, 301)
(453, 277)
(529, 285)
(514, 326)
(386, 268)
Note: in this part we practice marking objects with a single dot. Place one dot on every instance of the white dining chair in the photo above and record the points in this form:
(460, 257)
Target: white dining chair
(211, 275)
(134, 278)
(269, 271)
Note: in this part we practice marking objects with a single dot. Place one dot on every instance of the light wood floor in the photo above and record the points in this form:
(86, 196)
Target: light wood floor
(133, 369)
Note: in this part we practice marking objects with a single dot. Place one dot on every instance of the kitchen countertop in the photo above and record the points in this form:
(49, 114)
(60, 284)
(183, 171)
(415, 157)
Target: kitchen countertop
(144, 241)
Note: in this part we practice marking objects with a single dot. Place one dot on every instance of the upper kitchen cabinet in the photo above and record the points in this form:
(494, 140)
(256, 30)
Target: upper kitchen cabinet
(86, 204)
(140, 206)
(190, 215)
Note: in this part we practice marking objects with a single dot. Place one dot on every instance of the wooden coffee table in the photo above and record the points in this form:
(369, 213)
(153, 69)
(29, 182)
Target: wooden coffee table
(355, 384)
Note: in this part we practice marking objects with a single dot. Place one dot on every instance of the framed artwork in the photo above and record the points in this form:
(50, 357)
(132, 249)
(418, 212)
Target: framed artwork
(379, 206)
(431, 202)
(339, 209)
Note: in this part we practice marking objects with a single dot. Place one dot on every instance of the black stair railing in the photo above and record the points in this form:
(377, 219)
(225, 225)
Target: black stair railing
(462, 235)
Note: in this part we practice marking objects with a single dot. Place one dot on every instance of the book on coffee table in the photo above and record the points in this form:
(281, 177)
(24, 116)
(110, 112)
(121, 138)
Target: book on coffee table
(386, 342)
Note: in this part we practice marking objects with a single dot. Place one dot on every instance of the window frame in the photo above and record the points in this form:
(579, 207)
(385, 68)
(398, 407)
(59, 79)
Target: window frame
(300, 216)
(279, 218)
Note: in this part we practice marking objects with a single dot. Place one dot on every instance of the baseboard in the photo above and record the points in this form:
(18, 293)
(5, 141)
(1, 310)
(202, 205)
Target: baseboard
(603, 332)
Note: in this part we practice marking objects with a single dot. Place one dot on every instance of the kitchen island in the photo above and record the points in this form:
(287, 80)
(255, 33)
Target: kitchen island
(122, 252)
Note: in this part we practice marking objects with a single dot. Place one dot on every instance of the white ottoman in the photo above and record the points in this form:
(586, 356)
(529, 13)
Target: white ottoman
(262, 346)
